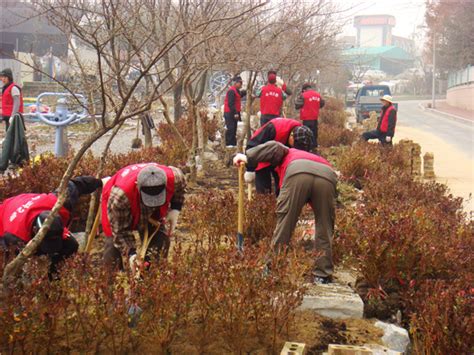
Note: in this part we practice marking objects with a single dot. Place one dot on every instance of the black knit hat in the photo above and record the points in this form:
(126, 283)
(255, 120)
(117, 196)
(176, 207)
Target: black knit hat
(237, 79)
(303, 138)
(307, 86)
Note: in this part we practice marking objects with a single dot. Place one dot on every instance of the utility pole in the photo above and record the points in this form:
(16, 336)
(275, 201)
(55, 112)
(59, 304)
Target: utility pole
(433, 82)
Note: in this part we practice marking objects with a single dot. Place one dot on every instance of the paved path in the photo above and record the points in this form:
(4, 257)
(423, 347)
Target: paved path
(451, 141)
(453, 132)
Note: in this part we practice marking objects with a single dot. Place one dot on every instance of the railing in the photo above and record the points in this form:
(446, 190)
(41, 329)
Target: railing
(461, 77)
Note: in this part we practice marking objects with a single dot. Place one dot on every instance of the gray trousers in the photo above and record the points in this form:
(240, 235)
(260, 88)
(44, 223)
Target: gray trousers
(294, 194)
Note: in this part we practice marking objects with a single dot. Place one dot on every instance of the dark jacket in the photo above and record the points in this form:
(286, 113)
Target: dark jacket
(15, 146)
(231, 101)
(268, 133)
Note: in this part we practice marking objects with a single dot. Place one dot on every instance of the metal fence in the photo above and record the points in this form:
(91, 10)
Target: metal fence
(461, 77)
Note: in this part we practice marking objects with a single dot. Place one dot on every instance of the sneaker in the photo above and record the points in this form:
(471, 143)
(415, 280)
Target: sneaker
(230, 146)
(319, 280)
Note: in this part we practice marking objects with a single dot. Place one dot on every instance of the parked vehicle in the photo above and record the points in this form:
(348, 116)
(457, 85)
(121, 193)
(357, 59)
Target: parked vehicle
(351, 93)
(368, 99)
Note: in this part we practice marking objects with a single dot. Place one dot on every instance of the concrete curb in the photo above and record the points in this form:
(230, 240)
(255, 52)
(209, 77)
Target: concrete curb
(334, 301)
(451, 116)
(445, 114)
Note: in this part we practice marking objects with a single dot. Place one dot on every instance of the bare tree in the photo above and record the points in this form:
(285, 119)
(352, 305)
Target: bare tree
(116, 35)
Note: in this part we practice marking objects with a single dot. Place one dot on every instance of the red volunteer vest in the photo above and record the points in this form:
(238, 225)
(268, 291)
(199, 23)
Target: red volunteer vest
(283, 128)
(7, 100)
(237, 100)
(296, 154)
(310, 109)
(271, 100)
(126, 179)
(18, 213)
(384, 118)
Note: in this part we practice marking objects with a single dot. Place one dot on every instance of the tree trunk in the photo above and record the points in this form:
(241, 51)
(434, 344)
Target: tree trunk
(147, 132)
(199, 133)
(194, 146)
(248, 106)
(177, 94)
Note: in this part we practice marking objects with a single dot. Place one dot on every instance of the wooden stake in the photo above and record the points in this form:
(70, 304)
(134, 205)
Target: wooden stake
(93, 233)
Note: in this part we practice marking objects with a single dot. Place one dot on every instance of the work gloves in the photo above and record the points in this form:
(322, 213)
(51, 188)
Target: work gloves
(135, 265)
(132, 262)
(388, 139)
(172, 219)
(280, 82)
(249, 177)
(105, 180)
(239, 159)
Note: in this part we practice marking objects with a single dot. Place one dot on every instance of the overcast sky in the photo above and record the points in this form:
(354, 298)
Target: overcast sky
(408, 13)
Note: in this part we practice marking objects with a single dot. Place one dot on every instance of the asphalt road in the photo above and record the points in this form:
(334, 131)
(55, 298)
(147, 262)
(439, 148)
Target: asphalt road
(453, 132)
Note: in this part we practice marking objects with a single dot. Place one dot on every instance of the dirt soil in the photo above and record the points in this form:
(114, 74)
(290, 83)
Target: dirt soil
(309, 328)
(317, 332)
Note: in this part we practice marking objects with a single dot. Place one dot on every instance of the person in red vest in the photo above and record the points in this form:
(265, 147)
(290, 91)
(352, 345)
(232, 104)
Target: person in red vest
(12, 97)
(386, 123)
(281, 130)
(22, 216)
(304, 177)
(137, 198)
(271, 97)
(232, 108)
(309, 102)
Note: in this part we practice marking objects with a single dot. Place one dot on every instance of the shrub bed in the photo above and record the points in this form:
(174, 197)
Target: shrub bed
(408, 238)
(206, 297)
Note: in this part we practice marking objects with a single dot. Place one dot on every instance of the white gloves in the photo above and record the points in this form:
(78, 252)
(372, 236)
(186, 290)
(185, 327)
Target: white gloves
(239, 159)
(249, 177)
(132, 261)
(388, 139)
(280, 82)
(172, 219)
(104, 180)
